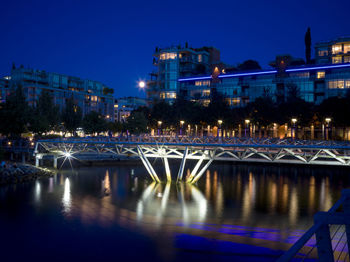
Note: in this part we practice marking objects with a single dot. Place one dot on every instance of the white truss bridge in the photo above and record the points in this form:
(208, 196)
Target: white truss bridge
(204, 150)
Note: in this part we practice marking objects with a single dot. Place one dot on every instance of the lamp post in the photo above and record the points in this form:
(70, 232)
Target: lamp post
(159, 127)
(181, 126)
(247, 121)
(293, 129)
(328, 121)
(219, 129)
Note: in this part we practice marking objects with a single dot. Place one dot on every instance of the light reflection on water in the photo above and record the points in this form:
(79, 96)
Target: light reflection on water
(239, 204)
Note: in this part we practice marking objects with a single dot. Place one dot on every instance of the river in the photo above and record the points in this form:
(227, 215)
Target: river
(234, 213)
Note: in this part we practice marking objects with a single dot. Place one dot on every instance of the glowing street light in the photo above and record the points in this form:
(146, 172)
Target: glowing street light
(328, 120)
(159, 127)
(219, 129)
(293, 130)
(294, 120)
(181, 126)
(247, 121)
(142, 84)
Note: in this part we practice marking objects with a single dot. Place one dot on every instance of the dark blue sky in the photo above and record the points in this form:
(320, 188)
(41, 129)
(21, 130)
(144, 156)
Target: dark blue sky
(113, 41)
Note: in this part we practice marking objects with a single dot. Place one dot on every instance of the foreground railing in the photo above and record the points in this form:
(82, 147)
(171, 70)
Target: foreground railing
(328, 239)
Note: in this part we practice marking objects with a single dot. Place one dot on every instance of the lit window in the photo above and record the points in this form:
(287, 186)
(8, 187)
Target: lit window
(347, 84)
(202, 83)
(322, 52)
(336, 60)
(200, 58)
(236, 101)
(206, 92)
(171, 95)
(336, 84)
(94, 98)
(336, 49)
(346, 59)
(321, 74)
(346, 48)
(168, 56)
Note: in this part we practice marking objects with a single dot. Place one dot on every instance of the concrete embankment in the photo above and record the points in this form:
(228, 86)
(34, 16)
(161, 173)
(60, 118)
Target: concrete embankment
(19, 173)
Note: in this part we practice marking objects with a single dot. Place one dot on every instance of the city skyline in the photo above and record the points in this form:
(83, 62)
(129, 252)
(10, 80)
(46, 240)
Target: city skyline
(113, 42)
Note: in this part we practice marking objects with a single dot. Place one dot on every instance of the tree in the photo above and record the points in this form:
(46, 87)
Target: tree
(107, 91)
(14, 114)
(45, 116)
(71, 116)
(249, 65)
(94, 123)
(308, 46)
(136, 123)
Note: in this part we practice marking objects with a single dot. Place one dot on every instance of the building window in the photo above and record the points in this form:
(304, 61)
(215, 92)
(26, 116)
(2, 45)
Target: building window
(202, 83)
(336, 84)
(322, 52)
(347, 84)
(346, 59)
(200, 58)
(168, 56)
(336, 60)
(321, 74)
(346, 48)
(206, 93)
(336, 49)
(300, 75)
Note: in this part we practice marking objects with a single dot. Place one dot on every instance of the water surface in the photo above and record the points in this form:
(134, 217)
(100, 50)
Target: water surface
(234, 213)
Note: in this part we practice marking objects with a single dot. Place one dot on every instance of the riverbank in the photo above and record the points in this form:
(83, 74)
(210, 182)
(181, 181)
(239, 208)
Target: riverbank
(14, 173)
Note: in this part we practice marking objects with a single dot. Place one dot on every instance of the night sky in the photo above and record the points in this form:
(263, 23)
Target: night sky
(113, 41)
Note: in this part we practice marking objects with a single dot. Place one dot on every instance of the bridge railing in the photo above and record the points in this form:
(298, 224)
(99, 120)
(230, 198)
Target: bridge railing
(210, 140)
(328, 239)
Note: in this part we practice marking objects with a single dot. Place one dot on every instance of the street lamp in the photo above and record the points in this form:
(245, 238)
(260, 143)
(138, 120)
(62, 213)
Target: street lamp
(142, 84)
(159, 127)
(219, 129)
(247, 121)
(181, 126)
(293, 129)
(328, 121)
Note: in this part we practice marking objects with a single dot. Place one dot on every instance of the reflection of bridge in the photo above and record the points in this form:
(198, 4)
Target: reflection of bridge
(201, 149)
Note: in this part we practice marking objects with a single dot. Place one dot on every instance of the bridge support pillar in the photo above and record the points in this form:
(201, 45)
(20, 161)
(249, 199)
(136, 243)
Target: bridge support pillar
(55, 161)
(36, 161)
(182, 166)
(195, 169)
(167, 169)
(148, 165)
(198, 176)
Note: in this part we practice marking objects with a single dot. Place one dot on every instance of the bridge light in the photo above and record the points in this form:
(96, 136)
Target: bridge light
(67, 154)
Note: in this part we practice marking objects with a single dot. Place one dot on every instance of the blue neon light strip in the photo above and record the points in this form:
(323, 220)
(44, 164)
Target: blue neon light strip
(194, 78)
(249, 74)
(317, 68)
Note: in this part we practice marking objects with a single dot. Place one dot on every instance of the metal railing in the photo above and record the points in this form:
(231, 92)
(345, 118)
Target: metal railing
(328, 239)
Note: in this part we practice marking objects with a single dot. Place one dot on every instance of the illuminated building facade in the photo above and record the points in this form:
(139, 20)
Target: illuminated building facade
(333, 52)
(87, 94)
(313, 83)
(176, 62)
